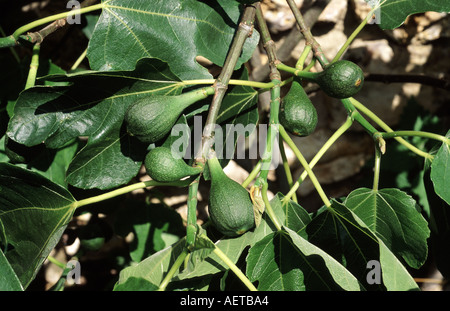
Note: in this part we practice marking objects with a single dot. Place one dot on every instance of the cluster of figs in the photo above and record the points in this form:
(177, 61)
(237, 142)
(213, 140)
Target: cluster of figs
(230, 208)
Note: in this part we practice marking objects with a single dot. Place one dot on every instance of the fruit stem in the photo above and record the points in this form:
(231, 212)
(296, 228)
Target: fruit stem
(305, 165)
(191, 228)
(340, 131)
(53, 18)
(252, 174)
(173, 270)
(315, 46)
(34, 65)
(126, 189)
(376, 169)
(385, 127)
(310, 76)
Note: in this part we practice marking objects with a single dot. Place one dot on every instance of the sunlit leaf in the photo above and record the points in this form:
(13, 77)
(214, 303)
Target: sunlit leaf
(342, 234)
(284, 261)
(392, 215)
(394, 12)
(173, 31)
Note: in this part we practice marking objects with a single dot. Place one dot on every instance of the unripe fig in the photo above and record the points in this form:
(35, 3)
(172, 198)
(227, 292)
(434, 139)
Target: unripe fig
(162, 166)
(230, 206)
(341, 79)
(151, 118)
(297, 113)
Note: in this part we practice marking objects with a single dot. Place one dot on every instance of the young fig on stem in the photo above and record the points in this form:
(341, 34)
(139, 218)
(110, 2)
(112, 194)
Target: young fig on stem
(151, 118)
(230, 207)
(341, 79)
(297, 113)
(161, 165)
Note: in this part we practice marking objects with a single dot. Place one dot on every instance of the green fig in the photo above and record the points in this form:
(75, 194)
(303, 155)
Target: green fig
(161, 165)
(341, 79)
(297, 113)
(151, 118)
(230, 206)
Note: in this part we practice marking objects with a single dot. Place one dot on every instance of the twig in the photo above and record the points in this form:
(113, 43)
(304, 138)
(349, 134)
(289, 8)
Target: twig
(318, 53)
(284, 51)
(275, 78)
(245, 30)
(408, 78)
(39, 36)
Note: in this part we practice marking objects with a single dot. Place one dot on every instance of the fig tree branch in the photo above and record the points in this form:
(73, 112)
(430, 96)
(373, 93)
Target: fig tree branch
(310, 40)
(275, 78)
(56, 21)
(245, 30)
(39, 36)
(284, 51)
(408, 78)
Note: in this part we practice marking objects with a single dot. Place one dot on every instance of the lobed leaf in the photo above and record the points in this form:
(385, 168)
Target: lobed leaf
(356, 245)
(392, 216)
(173, 31)
(284, 261)
(152, 225)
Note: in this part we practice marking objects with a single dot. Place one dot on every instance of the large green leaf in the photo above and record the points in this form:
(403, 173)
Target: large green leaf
(392, 215)
(394, 12)
(291, 214)
(92, 105)
(172, 30)
(284, 261)
(342, 234)
(8, 278)
(33, 215)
